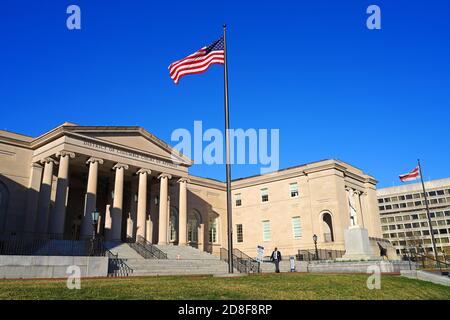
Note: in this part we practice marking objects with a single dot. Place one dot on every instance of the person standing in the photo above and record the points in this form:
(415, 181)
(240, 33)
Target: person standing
(276, 258)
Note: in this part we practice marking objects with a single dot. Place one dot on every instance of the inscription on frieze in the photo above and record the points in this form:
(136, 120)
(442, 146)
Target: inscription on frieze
(128, 154)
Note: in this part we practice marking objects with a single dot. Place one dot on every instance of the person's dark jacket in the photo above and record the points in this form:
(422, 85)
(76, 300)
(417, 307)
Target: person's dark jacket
(272, 256)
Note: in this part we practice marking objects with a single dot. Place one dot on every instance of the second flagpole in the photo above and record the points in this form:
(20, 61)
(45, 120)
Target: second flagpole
(227, 142)
(433, 240)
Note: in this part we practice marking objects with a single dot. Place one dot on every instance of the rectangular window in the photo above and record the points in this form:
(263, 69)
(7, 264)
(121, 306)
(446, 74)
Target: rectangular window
(264, 195)
(296, 228)
(238, 200)
(293, 190)
(213, 231)
(239, 233)
(266, 230)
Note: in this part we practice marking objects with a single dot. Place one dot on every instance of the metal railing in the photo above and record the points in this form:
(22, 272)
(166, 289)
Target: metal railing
(150, 248)
(117, 267)
(50, 247)
(426, 261)
(242, 262)
(322, 254)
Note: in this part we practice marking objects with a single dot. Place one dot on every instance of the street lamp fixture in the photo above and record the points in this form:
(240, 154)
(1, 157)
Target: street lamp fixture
(315, 245)
(95, 216)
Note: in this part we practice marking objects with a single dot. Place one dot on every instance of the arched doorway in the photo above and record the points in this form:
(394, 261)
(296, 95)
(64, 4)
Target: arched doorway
(193, 224)
(173, 225)
(327, 227)
(4, 194)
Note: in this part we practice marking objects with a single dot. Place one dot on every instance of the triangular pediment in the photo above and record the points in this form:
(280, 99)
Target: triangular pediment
(133, 138)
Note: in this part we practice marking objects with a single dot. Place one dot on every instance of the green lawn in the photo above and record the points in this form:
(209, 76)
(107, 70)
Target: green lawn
(267, 286)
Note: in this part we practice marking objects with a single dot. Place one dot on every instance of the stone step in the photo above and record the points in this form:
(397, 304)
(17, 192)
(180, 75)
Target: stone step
(181, 260)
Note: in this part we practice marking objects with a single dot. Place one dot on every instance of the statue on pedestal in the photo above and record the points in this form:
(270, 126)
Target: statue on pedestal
(352, 209)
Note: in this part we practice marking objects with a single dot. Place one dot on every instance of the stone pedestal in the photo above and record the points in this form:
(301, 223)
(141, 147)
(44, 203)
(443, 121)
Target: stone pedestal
(357, 245)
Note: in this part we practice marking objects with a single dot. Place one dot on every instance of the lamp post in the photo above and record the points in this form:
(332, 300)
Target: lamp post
(315, 245)
(95, 214)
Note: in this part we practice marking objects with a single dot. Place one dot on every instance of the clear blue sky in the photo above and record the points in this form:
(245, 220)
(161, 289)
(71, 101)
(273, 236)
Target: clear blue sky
(376, 99)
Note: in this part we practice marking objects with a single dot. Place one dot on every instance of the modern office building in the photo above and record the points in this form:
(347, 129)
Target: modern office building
(404, 220)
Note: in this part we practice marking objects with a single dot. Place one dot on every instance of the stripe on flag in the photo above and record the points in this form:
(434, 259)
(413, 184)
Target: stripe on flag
(199, 61)
(413, 175)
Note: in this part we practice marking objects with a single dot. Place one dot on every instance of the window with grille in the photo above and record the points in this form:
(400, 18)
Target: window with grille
(293, 189)
(264, 195)
(239, 233)
(266, 230)
(296, 228)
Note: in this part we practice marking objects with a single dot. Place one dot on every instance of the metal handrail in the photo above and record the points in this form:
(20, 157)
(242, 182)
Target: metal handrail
(141, 249)
(242, 262)
(117, 266)
(157, 253)
(423, 256)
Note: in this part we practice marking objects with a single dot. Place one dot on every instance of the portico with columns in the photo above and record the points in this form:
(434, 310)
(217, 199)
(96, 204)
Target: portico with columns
(124, 173)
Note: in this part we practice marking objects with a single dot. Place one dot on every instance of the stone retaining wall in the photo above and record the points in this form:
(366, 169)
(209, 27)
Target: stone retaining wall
(27, 267)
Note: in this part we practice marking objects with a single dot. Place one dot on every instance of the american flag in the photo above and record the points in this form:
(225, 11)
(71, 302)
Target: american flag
(413, 175)
(199, 61)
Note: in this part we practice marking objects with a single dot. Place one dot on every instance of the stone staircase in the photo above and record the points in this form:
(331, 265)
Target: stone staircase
(180, 261)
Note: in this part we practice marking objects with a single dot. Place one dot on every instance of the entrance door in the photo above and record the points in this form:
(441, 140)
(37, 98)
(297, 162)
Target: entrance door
(192, 228)
(173, 226)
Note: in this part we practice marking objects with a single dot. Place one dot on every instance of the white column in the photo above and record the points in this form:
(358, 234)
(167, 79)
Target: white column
(108, 210)
(142, 203)
(44, 195)
(58, 216)
(90, 199)
(116, 213)
(34, 186)
(163, 207)
(182, 212)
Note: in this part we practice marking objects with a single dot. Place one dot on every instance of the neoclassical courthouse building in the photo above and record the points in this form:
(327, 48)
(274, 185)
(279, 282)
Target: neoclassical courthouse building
(52, 183)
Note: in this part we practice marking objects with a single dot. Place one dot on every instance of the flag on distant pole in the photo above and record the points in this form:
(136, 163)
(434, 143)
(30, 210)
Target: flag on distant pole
(199, 61)
(413, 175)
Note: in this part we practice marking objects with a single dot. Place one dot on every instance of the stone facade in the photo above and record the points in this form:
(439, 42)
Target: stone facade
(142, 187)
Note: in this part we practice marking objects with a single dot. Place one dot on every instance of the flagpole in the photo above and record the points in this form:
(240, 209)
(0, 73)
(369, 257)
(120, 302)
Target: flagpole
(428, 215)
(227, 142)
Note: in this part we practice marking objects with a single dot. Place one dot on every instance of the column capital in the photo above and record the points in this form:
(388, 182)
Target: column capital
(165, 175)
(48, 160)
(93, 160)
(143, 170)
(183, 179)
(121, 166)
(65, 153)
(36, 165)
